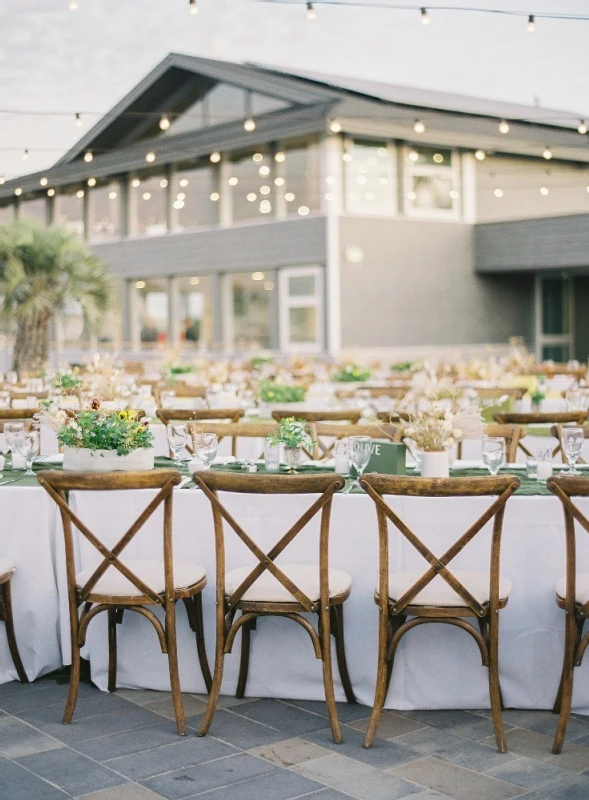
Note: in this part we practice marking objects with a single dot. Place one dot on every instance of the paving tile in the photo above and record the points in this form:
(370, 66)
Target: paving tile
(238, 730)
(184, 752)
(574, 757)
(129, 791)
(289, 752)
(545, 722)
(576, 788)
(390, 725)
(192, 706)
(48, 693)
(451, 747)
(283, 785)
(142, 697)
(531, 773)
(282, 716)
(455, 781)
(347, 712)
(358, 780)
(227, 700)
(19, 739)
(72, 772)
(212, 775)
(464, 723)
(382, 754)
(103, 748)
(18, 784)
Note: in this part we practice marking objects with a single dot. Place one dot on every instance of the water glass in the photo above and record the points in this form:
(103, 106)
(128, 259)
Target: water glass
(177, 437)
(206, 446)
(11, 432)
(341, 451)
(27, 445)
(360, 452)
(4, 399)
(168, 399)
(494, 453)
(531, 467)
(271, 455)
(572, 444)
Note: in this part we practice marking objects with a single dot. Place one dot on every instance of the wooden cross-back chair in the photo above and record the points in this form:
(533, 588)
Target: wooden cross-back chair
(393, 416)
(118, 584)
(271, 589)
(442, 594)
(541, 418)
(181, 390)
(234, 430)
(394, 392)
(168, 415)
(327, 435)
(352, 416)
(17, 414)
(572, 595)
(512, 434)
(556, 431)
(7, 570)
(497, 392)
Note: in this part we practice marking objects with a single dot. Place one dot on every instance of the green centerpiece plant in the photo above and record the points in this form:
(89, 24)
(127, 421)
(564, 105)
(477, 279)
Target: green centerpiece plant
(274, 392)
(294, 435)
(350, 373)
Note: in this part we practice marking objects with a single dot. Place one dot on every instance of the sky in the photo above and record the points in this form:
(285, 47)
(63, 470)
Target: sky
(56, 60)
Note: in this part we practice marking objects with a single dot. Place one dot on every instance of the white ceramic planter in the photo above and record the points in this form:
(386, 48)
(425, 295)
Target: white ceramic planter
(435, 464)
(81, 459)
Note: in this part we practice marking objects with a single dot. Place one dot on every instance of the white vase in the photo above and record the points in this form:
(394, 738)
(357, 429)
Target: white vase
(435, 464)
(81, 459)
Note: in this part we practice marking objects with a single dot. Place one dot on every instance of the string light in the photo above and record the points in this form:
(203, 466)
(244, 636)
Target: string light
(498, 192)
(249, 125)
(18, 192)
(88, 156)
(43, 181)
(25, 155)
(425, 20)
(504, 126)
(150, 157)
(419, 126)
(2, 179)
(544, 190)
(135, 183)
(50, 192)
(480, 155)
(311, 11)
(335, 126)
(582, 127)
(164, 123)
(193, 7)
(215, 157)
(547, 154)
(79, 121)
(80, 194)
(73, 5)
(531, 24)
(279, 157)
(91, 182)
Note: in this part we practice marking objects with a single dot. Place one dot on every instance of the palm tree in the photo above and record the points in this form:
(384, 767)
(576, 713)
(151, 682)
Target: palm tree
(41, 270)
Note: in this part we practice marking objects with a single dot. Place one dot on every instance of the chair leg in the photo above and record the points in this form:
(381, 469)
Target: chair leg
(75, 671)
(381, 679)
(10, 634)
(565, 695)
(325, 633)
(494, 684)
(246, 630)
(112, 649)
(200, 642)
(217, 676)
(174, 669)
(337, 622)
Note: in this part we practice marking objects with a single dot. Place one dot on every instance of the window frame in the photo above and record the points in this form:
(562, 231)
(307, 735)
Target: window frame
(411, 171)
(286, 302)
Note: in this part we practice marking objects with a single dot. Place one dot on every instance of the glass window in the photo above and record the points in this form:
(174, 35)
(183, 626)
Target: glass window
(105, 212)
(70, 210)
(148, 198)
(34, 209)
(196, 310)
(6, 214)
(153, 311)
(250, 297)
(369, 180)
(432, 181)
(299, 167)
(301, 309)
(252, 187)
(195, 200)
(555, 306)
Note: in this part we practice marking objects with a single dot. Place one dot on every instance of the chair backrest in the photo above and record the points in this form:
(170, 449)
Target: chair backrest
(394, 392)
(348, 415)
(325, 485)
(540, 418)
(59, 484)
(565, 489)
(393, 416)
(514, 392)
(234, 430)
(17, 414)
(327, 434)
(512, 434)
(500, 487)
(556, 431)
(28, 423)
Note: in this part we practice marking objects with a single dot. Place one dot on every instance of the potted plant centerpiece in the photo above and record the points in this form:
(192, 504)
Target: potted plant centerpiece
(276, 394)
(293, 434)
(352, 373)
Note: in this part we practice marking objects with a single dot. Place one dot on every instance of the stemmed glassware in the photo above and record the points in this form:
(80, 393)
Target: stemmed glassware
(11, 432)
(494, 453)
(360, 450)
(572, 444)
(177, 436)
(205, 446)
(27, 444)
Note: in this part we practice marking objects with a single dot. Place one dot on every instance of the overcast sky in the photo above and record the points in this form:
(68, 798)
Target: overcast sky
(54, 59)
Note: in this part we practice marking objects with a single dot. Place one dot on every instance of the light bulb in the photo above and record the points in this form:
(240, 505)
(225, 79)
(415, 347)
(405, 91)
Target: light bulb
(425, 20)
(279, 157)
(73, 5)
(192, 5)
(2, 179)
(258, 276)
(547, 154)
(80, 194)
(150, 157)
(498, 192)
(480, 155)
(18, 192)
(112, 195)
(88, 156)
(215, 157)
(335, 126)
(311, 11)
(50, 192)
(257, 157)
(249, 125)
(43, 181)
(91, 181)
(418, 126)
(582, 127)
(504, 126)
(531, 24)
(544, 191)
(164, 123)
(79, 121)
(233, 181)
(135, 183)
(25, 155)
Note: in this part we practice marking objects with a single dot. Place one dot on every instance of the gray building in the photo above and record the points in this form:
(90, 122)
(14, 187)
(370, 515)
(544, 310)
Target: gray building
(240, 207)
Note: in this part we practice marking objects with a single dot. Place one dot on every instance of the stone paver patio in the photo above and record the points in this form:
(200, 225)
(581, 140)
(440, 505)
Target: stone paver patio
(124, 746)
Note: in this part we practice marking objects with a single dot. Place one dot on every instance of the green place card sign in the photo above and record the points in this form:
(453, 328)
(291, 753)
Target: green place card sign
(387, 457)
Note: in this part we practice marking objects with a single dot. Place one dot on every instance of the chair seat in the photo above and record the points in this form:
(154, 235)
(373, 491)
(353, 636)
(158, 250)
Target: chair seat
(268, 589)
(149, 570)
(6, 569)
(582, 588)
(439, 593)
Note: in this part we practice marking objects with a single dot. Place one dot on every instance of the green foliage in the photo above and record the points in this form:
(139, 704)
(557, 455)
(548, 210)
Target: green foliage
(44, 269)
(96, 430)
(537, 396)
(273, 392)
(181, 369)
(406, 366)
(66, 381)
(292, 432)
(259, 361)
(352, 373)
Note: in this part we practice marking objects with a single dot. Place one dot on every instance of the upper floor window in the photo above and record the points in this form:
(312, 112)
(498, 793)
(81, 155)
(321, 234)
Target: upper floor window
(369, 177)
(298, 176)
(35, 208)
(105, 212)
(431, 182)
(195, 198)
(252, 184)
(69, 209)
(148, 204)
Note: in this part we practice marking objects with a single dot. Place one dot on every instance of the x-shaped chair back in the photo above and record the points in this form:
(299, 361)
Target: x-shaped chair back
(168, 415)
(378, 486)
(234, 430)
(325, 485)
(58, 485)
(565, 489)
(541, 418)
(327, 434)
(513, 434)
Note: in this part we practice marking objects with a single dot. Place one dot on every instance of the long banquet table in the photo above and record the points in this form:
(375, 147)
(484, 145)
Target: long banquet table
(436, 666)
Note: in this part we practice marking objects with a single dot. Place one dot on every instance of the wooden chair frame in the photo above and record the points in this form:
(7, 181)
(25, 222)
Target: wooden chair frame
(512, 435)
(336, 432)
(394, 392)
(351, 416)
(58, 484)
(6, 616)
(576, 613)
(540, 418)
(556, 431)
(235, 430)
(488, 393)
(329, 609)
(393, 624)
(168, 415)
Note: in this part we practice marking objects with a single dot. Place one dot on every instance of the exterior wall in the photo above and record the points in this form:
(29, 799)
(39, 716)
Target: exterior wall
(521, 179)
(417, 286)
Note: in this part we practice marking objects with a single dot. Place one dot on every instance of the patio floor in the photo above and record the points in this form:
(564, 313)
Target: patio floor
(124, 746)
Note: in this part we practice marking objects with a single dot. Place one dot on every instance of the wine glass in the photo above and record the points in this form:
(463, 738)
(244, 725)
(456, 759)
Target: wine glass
(27, 444)
(494, 453)
(360, 450)
(11, 431)
(177, 437)
(206, 445)
(572, 443)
